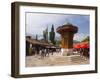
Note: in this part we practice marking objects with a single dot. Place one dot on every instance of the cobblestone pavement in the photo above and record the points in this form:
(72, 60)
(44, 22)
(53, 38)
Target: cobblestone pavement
(55, 60)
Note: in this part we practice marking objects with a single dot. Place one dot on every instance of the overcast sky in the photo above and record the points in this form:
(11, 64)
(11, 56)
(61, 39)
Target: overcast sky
(37, 22)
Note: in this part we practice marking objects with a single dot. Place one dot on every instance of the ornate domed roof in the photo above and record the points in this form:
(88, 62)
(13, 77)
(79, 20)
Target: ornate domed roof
(67, 27)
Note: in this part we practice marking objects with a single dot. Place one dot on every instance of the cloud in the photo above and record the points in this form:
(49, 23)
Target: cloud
(37, 22)
(80, 36)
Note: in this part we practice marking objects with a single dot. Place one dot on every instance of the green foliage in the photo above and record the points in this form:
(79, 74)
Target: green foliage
(58, 42)
(45, 34)
(36, 37)
(52, 35)
(86, 39)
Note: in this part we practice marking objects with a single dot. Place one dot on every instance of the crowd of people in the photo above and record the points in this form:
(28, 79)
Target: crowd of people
(84, 52)
(43, 51)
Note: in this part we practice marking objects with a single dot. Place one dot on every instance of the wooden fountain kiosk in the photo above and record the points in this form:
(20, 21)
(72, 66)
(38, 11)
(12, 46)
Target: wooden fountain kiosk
(67, 32)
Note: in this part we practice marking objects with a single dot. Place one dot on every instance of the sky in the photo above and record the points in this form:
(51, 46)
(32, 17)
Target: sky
(37, 22)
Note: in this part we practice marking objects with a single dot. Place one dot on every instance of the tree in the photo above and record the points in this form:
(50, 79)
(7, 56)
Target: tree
(45, 34)
(86, 39)
(52, 35)
(57, 42)
(36, 37)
